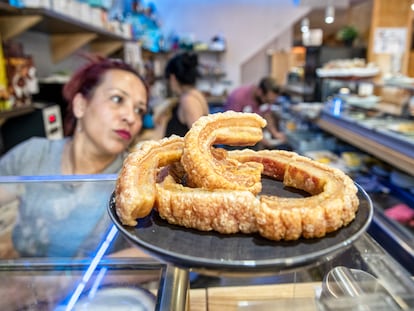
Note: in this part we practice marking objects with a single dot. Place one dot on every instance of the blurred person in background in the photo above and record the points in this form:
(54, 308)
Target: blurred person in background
(181, 73)
(260, 99)
(106, 103)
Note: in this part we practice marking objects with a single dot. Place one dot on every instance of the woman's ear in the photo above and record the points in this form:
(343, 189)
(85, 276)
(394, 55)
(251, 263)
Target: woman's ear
(79, 105)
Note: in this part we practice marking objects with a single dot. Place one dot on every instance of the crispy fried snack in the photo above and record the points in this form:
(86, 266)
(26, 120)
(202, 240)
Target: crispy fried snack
(221, 210)
(221, 194)
(332, 204)
(135, 188)
(206, 168)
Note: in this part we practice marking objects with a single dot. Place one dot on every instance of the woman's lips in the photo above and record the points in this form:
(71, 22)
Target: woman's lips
(124, 134)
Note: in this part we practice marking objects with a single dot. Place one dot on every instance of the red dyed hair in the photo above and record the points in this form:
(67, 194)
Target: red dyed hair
(86, 79)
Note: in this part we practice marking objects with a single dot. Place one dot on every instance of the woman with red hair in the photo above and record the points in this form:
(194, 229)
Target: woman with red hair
(107, 100)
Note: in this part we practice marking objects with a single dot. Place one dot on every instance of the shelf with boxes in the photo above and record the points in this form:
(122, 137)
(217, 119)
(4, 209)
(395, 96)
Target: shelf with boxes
(211, 67)
(68, 25)
(67, 32)
(212, 79)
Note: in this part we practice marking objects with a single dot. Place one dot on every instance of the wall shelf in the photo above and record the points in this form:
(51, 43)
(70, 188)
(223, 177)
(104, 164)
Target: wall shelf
(7, 114)
(67, 34)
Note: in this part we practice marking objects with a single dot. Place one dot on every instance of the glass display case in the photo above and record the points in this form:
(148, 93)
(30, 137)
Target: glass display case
(357, 273)
(369, 126)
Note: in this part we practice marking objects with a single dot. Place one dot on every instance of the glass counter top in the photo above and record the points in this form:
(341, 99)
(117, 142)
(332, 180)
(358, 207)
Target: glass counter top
(363, 275)
(97, 280)
(62, 284)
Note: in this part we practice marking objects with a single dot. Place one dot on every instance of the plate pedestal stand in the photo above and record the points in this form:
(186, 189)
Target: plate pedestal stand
(173, 295)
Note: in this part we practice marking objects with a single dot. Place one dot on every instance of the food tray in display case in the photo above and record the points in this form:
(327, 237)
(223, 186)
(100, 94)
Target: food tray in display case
(347, 72)
(240, 253)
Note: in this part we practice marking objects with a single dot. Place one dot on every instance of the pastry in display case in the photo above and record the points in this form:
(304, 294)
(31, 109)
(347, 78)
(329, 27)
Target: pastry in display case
(347, 68)
(382, 130)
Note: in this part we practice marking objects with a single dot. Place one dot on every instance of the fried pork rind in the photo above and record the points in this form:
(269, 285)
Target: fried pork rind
(221, 210)
(220, 194)
(135, 190)
(205, 169)
(332, 204)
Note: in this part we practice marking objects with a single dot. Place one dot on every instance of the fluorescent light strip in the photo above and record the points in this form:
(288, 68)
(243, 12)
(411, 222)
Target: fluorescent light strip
(88, 273)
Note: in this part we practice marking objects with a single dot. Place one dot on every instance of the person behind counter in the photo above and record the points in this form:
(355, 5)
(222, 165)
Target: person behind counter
(259, 99)
(106, 103)
(181, 72)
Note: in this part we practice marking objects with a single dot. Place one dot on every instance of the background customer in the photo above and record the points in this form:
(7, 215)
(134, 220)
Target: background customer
(260, 99)
(182, 73)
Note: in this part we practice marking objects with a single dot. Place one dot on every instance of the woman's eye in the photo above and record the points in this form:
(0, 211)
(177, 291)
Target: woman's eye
(139, 111)
(117, 99)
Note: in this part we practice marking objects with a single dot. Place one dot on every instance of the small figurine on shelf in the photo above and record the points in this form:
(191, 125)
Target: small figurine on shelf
(218, 43)
(22, 80)
(21, 75)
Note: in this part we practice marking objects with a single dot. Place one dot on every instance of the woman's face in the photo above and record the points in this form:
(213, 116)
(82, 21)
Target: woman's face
(112, 117)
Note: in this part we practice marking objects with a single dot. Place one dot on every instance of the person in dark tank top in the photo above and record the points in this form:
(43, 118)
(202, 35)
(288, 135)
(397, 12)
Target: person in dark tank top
(181, 73)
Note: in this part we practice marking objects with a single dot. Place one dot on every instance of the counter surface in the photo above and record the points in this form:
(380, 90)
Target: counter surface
(363, 272)
(390, 147)
(56, 284)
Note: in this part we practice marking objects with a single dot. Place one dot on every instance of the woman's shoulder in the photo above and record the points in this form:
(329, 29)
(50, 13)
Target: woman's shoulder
(194, 97)
(39, 144)
(26, 157)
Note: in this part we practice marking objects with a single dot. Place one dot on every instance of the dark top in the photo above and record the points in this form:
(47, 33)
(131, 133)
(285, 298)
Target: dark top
(175, 126)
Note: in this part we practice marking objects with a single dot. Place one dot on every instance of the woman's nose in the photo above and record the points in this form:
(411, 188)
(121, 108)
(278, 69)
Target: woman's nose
(129, 115)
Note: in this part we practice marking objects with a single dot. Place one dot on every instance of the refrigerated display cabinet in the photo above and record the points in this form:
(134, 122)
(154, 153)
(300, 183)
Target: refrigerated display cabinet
(189, 270)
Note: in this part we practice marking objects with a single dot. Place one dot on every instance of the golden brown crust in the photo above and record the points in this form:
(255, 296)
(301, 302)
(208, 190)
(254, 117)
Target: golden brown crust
(224, 211)
(221, 204)
(332, 204)
(135, 188)
(204, 170)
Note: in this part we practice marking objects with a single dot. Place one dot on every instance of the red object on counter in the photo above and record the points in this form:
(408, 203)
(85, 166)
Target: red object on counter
(401, 213)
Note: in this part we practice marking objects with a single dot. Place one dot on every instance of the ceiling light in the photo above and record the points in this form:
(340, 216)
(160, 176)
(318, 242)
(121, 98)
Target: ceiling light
(304, 25)
(329, 14)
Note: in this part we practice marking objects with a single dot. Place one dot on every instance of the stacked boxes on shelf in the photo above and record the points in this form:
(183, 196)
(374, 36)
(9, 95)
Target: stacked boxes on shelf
(94, 12)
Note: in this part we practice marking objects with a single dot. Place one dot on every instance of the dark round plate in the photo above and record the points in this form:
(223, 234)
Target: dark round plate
(211, 251)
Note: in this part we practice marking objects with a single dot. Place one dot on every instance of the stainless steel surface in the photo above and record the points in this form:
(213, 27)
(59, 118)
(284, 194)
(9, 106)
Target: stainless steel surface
(173, 293)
